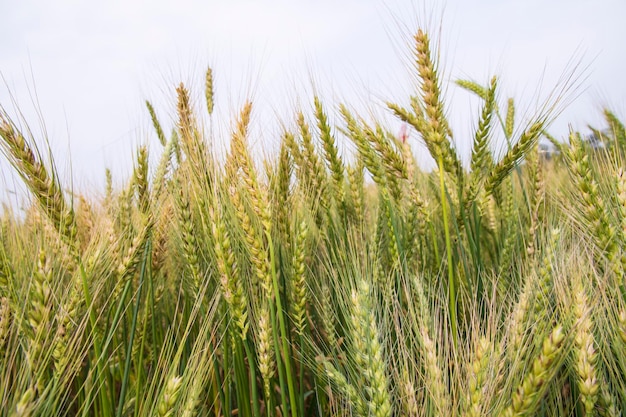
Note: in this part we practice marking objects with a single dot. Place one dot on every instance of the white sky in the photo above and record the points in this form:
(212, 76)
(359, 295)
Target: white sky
(92, 64)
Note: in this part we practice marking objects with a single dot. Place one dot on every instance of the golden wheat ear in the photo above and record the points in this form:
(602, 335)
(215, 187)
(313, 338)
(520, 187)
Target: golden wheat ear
(42, 182)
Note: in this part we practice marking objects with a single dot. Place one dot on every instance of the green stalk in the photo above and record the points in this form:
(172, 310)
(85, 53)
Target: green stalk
(227, 377)
(451, 282)
(252, 367)
(279, 361)
(133, 328)
(242, 386)
(283, 329)
(107, 407)
(140, 361)
(301, 381)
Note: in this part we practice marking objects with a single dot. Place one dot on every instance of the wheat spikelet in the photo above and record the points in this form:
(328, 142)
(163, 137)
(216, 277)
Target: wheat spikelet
(621, 329)
(621, 196)
(44, 185)
(585, 350)
(85, 222)
(192, 144)
(606, 404)
(528, 394)
(40, 318)
(356, 402)
(327, 314)
(241, 162)
(619, 131)
(392, 161)
(25, 406)
(474, 87)
(209, 92)
(330, 151)
(407, 154)
(165, 408)
(281, 199)
(315, 178)
(510, 160)
(418, 218)
(230, 280)
(368, 351)
(5, 321)
(130, 262)
(545, 291)
(409, 398)
(141, 180)
(254, 244)
(161, 171)
(355, 175)
(296, 154)
(108, 193)
(67, 318)
(125, 214)
(481, 156)
(436, 126)
(536, 198)
(366, 153)
(518, 324)
(156, 124)
(392, 239)
(434, 378)
(265, 349)
(594, 210)
(190, 244)
(478, 376)
(510, 119)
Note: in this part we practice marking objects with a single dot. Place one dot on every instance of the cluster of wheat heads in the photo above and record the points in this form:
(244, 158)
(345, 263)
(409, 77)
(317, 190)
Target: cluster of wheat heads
(315, 286)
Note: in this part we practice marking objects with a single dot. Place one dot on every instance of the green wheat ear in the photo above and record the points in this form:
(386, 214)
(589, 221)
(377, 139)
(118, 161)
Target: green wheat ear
(474, 87)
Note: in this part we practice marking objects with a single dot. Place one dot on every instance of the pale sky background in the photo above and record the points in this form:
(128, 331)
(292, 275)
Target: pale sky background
(85, 68)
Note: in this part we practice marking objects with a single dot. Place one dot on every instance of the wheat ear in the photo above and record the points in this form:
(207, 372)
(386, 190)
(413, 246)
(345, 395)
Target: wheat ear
(528, 394)
(165, 408)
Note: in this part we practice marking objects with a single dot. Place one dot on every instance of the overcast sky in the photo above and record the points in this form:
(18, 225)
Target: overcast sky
(91, 65)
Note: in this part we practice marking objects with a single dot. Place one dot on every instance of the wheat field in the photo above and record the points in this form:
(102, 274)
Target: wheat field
(314, 284)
